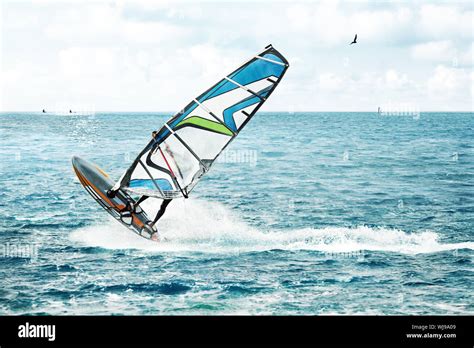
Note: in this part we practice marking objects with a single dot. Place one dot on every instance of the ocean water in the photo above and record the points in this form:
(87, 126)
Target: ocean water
(308, 213)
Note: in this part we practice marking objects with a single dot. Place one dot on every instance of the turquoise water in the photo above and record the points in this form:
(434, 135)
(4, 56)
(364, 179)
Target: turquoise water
(309, 213)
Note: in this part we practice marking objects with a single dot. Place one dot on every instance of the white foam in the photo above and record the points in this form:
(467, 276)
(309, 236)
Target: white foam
(201, 226)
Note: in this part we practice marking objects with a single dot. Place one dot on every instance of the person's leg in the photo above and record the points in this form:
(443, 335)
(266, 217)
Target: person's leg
(141, 199)
(161, 211)
(131, 206)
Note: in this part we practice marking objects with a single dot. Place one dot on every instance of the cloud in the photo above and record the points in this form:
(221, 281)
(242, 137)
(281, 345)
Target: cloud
(351, 83)
(87, 23)
(467, 57)
(331, 24)
(330, 81)
(395, 80)
(150, 33)
(448, 80)
(444, 51)
(155, 78)
(450, 89)
(93, 61)
(434, 51)
(446, 21)
(137, 55)
(105, 24)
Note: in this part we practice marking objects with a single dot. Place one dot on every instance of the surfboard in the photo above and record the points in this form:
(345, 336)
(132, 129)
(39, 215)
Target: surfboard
(97, 183)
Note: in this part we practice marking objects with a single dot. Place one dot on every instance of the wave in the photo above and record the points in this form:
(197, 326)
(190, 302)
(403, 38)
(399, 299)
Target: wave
(200, 226)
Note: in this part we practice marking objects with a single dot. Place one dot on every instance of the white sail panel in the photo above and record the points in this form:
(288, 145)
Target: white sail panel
(208, 149)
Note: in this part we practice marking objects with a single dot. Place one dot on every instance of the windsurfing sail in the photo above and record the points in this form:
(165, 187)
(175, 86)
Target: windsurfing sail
(185, 148)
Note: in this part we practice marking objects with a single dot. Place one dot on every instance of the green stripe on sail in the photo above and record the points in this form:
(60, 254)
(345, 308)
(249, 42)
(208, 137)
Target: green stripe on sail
(205, 123)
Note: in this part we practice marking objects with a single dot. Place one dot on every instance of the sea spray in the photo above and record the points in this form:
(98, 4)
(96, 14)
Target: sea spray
(210, 227)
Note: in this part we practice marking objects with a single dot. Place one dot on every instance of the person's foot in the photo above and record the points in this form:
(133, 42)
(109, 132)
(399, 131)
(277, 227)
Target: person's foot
(133, 208)
(130, 207)
(150, 230)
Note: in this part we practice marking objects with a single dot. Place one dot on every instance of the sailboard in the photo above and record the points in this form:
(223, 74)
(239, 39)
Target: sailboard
(184, 149)
(97, 183)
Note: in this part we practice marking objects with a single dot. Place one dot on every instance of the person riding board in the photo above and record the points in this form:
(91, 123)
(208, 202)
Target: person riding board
(131, 207)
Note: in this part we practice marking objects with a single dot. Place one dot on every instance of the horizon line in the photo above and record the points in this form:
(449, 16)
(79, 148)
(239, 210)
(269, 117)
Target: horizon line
(174, 112)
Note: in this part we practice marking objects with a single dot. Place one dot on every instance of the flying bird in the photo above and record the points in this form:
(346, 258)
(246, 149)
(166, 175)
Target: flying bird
(355, 40)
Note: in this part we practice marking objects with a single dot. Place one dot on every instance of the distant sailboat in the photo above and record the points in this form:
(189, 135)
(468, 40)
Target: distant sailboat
(379, 110)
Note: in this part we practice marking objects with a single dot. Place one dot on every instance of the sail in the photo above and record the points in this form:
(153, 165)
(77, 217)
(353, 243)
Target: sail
(185, 148)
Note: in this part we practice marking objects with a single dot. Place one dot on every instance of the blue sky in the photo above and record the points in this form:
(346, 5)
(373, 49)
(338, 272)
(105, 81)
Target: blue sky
(156, 56)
